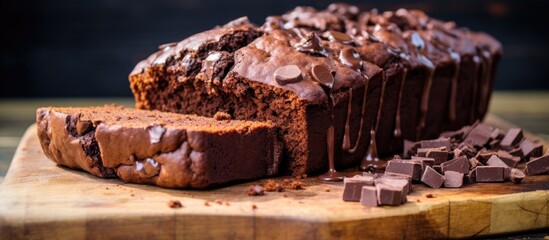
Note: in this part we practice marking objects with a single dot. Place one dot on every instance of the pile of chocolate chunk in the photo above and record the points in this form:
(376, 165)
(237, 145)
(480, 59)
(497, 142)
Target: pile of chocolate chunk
(479, 153)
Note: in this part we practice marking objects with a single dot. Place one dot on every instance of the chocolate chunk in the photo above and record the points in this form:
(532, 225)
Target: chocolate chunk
(208, 65)
(402, 184)
(467, 150)
(432, 178)
(406, 167)
(397, 176)
(490, 174)
(494, 160)
(155, 133)
(425, 161)
(410, 148)
(439, 154)
(512, 138)
(507, 158)
(288, 74)
(352, 187)
(473, 163)
(453, 179)
(479, 135)
(470, 177)
(517, 152)
(388, 195)
(531, 149)
(339, 37)
(483, 155)
(460, 164)
(455, 135)
(516, 175)
(538, 165)
(368, 196)
(83, 127)
(436, 143)
(350, 57)
(312, 45)
(322, 75)
(494, 143)
(497, 134)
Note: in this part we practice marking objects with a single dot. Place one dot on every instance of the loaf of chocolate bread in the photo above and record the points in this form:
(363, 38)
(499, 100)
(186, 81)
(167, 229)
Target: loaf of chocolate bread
(151, 147)
(393, 75)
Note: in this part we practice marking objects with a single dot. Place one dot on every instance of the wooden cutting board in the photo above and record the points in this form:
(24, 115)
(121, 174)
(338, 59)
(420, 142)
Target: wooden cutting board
(41, 200)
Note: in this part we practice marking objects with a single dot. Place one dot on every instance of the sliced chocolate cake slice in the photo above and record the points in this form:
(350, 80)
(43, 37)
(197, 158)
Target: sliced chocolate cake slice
(151, 147)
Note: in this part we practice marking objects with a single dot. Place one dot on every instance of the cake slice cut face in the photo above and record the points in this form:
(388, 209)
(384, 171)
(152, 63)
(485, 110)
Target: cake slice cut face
(151, 147)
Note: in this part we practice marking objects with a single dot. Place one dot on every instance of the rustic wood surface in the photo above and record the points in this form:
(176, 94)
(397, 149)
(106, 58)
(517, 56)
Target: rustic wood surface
(41, 200)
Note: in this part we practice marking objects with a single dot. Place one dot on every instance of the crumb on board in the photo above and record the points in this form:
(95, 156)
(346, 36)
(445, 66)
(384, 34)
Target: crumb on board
(175, 204)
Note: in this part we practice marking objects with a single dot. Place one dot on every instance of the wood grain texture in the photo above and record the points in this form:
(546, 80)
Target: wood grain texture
(41, 200)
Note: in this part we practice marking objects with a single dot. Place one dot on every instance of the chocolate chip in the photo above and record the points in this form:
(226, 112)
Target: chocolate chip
(83, 127)
(155, 133)
(288, 74)
(339, 36)
(417, 41)
(312, 44)
(350, 57)
(322, 75)
(208, 64)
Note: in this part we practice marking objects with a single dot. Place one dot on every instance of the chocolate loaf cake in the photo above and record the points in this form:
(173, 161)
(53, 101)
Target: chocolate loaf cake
(151, 147)
(328, 79)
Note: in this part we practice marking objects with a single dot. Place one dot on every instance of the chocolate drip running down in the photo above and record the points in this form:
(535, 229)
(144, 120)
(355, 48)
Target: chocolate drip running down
(454, 85)
(398, 133)
(322, 75)
(424, 107)
(347, 136)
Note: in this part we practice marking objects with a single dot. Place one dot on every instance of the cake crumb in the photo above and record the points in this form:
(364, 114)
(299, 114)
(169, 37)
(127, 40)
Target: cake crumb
(326, 189)
(222, 116)
(107, 188)
(175, 204)
(429, 195)
(133, 195)
(417, 200)
(285, 195)
(219, 201)
(272, 185)
(207, 203)
(255, 190)
(254, 206)
(296, 185)
(227, 204)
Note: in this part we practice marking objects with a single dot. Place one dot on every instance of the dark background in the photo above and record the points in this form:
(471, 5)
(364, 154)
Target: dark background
(71, 48)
